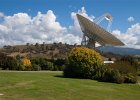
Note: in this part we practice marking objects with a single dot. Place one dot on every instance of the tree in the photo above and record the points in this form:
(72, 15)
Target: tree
(44, 63)
(11, 63)
(82, 62)
(27, 64)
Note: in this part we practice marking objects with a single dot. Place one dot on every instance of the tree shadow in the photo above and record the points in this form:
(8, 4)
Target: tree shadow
(100, 81)
(61, 76)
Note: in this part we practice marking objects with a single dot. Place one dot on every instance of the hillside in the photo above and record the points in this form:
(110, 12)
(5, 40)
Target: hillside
(59, 50)
(120, 50)
(55, 50)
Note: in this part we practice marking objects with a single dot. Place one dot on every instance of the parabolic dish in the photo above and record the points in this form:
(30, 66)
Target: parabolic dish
(94, 31)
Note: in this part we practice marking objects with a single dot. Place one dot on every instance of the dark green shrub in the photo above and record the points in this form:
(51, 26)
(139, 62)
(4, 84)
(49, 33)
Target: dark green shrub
(139, 72)
(130, 78)
(50, 65)
(61, 68)
(120, 79)
(128, 73)
(110, 75)
(134, 61)
(11, 64)
(99, 73)
(44, 63)
(82, 62)
(36, 67)
(60, 64)
(107, 74)
(21, 67)
(54, 68)
(124, 67)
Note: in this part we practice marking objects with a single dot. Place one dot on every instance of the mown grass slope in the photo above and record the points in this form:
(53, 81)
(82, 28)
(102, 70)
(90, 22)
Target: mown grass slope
(51, 86)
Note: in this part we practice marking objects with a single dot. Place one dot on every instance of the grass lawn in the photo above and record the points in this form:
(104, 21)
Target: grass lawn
(50, 86)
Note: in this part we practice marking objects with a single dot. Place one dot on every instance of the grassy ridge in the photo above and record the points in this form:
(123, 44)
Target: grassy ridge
(50, 86)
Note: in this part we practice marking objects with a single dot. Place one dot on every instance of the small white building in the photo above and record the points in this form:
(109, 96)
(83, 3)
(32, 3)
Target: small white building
(108, 60)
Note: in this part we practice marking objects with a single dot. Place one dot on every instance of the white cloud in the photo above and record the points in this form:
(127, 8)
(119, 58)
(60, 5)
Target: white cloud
(131, 19)
(131, 37)
(21, 28)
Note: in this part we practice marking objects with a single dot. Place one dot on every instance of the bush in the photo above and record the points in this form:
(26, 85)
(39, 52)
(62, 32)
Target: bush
(127, 73)
(139, 72)
(130, 78)
(50, 65)
(99, 73)
(26, 64)
(120, 79)
(9, 63)
(59, 62)
(36, 67)
(111, 75)
(54, 68)
(82, 62)
(106, 74)
(86, 63)
(124, 67)
(21, 67)
(44, 63)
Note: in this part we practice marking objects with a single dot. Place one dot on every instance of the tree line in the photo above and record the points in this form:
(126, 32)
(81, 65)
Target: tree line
(32, 64)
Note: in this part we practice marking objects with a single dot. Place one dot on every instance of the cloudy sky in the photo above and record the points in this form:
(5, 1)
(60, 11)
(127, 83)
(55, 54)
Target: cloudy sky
(49, 21)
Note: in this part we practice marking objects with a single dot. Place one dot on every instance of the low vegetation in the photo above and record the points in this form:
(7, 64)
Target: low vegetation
(82, 62)
(79, 63)
(127, 71)
(32, 64)
(87, 63)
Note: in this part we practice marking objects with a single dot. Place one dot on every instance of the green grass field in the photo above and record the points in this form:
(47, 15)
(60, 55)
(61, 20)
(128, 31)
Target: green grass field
(51, 86)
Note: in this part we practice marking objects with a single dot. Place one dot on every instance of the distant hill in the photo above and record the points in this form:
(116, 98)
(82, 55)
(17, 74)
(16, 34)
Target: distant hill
(59, 50)
(120, 50)
(54, 50)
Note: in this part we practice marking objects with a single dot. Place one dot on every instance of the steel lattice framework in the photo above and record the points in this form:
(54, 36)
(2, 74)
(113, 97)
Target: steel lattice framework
(94, 33)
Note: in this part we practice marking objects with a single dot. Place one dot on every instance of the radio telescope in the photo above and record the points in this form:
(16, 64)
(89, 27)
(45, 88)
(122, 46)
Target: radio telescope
(93, 33)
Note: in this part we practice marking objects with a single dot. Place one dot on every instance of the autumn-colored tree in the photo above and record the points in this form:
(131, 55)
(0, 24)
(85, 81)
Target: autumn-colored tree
(82, 62)
(26, 63)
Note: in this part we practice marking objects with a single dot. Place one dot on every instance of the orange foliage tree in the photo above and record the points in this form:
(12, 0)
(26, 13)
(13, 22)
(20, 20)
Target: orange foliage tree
(26, 63)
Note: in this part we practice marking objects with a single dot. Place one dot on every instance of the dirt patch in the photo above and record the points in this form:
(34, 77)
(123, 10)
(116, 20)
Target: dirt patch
(23, 83)
(1, 94)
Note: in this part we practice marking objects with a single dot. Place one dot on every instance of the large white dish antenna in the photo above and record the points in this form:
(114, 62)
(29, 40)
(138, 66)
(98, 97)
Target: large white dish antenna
(94, 33)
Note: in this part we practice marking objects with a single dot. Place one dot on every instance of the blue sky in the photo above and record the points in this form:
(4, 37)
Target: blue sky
(120, 9)
(23, 16)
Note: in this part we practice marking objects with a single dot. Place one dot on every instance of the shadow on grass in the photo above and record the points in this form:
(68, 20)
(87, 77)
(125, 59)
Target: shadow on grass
(100, 81)
(61, 76)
